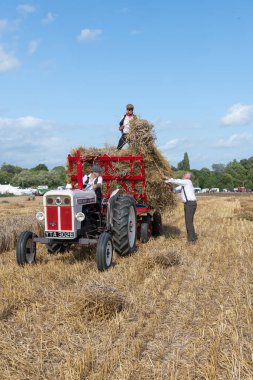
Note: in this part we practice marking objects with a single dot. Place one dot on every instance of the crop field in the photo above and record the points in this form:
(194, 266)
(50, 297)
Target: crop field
(170, 311)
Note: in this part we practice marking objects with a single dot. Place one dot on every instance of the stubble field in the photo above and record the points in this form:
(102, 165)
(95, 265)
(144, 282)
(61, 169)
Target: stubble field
(170, 311)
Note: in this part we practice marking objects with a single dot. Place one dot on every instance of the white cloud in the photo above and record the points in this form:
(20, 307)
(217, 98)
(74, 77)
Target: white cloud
(135, 32)
(175, 143)
(33, 46)
(24, 122)
(234, 140)
(8, 25)
(171, 144)
(29, 140)
(49, 18)
(7, 61)
(89, 34)
(3, 24)
(26, 8)
(123, 10)
(238, 114)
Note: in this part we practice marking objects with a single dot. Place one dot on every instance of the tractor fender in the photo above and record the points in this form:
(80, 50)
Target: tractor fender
(110, 206)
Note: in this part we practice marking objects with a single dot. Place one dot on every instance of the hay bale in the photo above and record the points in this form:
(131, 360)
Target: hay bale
(98, 302)
(141, 140)
(167, 258)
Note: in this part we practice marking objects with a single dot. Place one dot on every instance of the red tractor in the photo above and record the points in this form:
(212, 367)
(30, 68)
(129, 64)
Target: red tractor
(72, 216)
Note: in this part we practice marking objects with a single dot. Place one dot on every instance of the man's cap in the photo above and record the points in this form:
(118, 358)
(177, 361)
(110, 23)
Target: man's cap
(129, 106)
(96, 168)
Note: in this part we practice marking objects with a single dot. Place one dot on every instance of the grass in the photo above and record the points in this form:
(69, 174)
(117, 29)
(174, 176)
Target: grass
(170, 311)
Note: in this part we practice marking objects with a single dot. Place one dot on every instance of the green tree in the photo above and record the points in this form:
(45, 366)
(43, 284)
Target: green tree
(238, 173)
(203, 176)
(224, 181)
(247, 163)
(249, 180)
(11, 169)
(5, 177)
(185, 163)
(31, 178)
(60, 171)
(40, 167)
(219, 168)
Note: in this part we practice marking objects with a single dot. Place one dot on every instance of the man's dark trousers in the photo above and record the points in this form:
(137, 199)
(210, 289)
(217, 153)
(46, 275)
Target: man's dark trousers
(189, 211)
(122, 141)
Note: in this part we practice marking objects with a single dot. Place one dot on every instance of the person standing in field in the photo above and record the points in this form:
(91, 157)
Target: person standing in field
(124, 125)
(190, 204)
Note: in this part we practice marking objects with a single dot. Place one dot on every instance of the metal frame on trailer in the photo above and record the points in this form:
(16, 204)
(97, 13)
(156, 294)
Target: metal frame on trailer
(110, 173)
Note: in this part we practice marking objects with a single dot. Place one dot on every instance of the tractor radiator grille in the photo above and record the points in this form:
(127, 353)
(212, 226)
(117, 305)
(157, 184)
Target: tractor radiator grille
(58, 218)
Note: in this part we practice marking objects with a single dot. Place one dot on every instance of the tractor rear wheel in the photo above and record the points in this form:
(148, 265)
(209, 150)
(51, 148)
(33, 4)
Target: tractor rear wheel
(104, 251)
(157, 229)
(146, 229)
(26, 248)
(124, 225)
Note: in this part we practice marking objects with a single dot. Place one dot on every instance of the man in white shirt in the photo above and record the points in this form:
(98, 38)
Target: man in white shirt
(124, 125)
(94, 181)
(190, 204)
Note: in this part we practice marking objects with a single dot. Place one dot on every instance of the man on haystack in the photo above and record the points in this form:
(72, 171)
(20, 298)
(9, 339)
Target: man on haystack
(124, 125)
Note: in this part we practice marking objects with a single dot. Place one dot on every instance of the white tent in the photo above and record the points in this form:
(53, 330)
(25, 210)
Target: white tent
(8, 189)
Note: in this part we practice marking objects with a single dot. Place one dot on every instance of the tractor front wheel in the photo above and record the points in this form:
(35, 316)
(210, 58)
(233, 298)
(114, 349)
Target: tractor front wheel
(104, 251)
(26, 248)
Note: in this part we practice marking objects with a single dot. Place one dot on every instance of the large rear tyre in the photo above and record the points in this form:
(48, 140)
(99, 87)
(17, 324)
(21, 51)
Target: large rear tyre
(104, 251)
(157, 229)
(124, 225)
(146, 229)
(26, 248)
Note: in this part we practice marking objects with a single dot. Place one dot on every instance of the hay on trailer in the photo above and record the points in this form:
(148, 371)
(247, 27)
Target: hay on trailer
(141, 140)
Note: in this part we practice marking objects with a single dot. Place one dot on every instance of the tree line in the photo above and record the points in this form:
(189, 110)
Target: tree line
(233, 175)
(39, 175)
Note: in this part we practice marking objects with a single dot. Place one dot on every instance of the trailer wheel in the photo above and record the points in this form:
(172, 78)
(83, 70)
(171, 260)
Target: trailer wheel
(104, 251)
(124, 225)
(26, 248)
(146, 229)
(157, 229)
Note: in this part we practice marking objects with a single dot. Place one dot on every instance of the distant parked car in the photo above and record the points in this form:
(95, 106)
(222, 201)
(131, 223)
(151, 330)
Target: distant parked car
(42, 189)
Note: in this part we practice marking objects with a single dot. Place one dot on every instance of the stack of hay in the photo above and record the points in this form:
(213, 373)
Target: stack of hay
(141, 140)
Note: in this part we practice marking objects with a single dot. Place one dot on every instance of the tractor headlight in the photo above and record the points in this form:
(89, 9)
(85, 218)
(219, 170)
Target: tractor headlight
(80, 216)
(58, 201)
(66, 201)
(40, 216)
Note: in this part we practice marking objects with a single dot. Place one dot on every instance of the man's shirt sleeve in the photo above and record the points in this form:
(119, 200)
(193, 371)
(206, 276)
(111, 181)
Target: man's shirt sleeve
(179, 182)
(100, 180)
(85, 179)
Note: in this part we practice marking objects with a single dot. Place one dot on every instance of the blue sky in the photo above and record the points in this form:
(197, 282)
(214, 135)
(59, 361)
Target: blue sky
(68, 68)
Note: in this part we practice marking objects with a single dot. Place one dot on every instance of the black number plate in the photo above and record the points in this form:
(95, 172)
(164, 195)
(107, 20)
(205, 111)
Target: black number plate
(60, 234)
